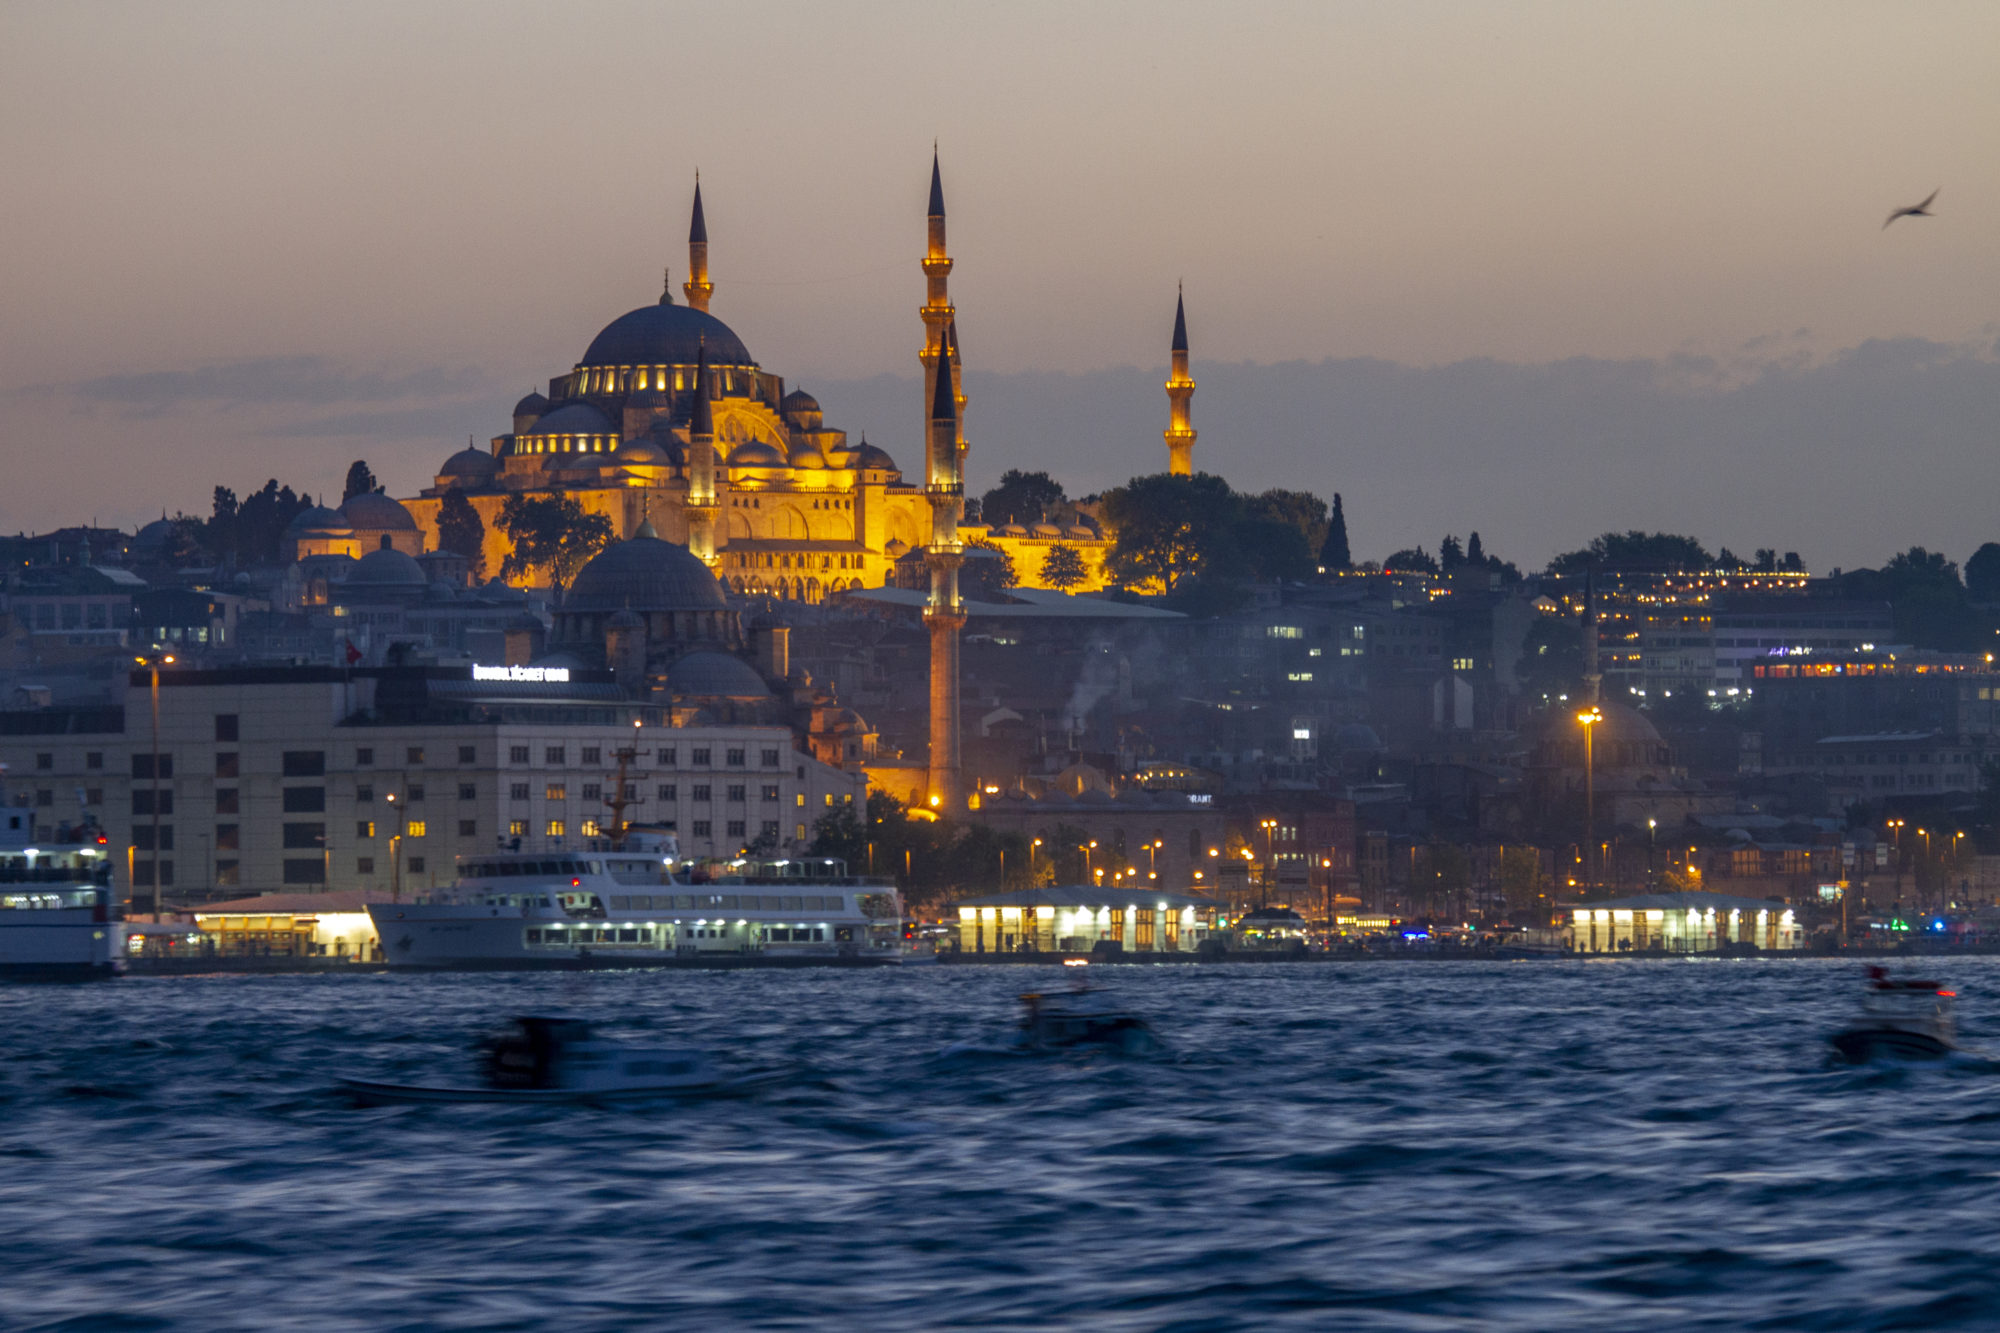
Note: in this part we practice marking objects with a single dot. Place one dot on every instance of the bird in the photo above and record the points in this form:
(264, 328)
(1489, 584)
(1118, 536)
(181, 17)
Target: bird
(1922, 210)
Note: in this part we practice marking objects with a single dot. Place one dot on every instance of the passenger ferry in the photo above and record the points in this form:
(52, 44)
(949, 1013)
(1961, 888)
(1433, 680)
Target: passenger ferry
(642, 907)
(58, 920)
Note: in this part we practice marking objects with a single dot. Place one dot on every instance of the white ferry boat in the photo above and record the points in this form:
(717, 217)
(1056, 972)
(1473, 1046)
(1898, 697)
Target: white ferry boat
(57, 916)
(644, 908)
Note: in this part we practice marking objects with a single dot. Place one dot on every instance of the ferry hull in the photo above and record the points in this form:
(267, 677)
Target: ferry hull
(56, 945)
(423, 938)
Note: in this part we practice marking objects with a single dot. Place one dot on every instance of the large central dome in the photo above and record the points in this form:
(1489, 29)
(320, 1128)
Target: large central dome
(666, 335)
(644, 574)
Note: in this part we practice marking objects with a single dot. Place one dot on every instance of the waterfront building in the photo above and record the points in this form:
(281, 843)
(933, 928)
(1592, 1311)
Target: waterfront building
(1078, 918)
(1681, 923)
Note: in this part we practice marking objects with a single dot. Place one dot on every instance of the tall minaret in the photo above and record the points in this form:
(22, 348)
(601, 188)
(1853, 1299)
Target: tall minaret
(701, 500)
(944, 614)
(1180, 391)
(944, 487)
(698, 287)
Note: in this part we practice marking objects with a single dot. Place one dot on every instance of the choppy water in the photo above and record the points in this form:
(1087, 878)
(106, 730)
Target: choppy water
(1401, 1146)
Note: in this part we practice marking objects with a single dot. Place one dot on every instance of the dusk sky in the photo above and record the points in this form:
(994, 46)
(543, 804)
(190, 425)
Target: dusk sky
(1537, 269)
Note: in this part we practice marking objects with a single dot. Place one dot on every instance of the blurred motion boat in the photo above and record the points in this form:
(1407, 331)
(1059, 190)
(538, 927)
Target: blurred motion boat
(1901, 1019)
(1083, 1016)
(541, 1059)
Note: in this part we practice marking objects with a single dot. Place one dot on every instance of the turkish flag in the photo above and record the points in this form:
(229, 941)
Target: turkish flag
(353, 653)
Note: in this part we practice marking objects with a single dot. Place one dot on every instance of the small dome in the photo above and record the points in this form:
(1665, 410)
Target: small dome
(318, 519)
(626, 619)
(1079, 533)
(1010, 530)
(531, 406)
(755, 453)
(641, 453)
(716, 675)
(874, 459)
(805, 456)
(645, 574)
(798, 400)
(388, 568)
(155, 533)
(1357, 736)
(1045, 530)
(574, 419)
(377, 513)
(895, 549)
(666, 335)
(470, 464)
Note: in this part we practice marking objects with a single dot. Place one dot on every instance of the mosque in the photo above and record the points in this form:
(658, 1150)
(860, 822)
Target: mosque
(669, 419)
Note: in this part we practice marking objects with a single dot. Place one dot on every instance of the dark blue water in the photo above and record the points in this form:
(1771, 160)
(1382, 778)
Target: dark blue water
(1402, 1146)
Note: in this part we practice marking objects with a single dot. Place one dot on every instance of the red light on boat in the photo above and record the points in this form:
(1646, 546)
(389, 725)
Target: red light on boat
(1952, 993)
(574, 881)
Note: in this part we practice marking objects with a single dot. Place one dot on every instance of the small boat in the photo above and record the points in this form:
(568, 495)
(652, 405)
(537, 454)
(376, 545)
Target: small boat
(561, 1060)
(1901, 1018)
(1084, 1016)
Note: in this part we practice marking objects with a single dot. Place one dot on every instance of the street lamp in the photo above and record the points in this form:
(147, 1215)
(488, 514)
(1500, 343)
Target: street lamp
(153, 661)
(395, 853)
(1588, 719)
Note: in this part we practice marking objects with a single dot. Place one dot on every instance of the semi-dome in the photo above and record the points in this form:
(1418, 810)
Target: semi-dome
(574, 419)
(716, 675)
(377, 513)
(666, 335)
(641, 453)
(755, 453)
(319, 519)
(798, 400)
(874, 459)
(645, 574)
(388, 568)
(531, 406)
(470, 464)
(805, 456)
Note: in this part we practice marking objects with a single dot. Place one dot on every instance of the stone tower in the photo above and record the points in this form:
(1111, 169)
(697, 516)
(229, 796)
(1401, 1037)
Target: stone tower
(1180, 393)
(944, 487)
(701, 498)
(698, 287)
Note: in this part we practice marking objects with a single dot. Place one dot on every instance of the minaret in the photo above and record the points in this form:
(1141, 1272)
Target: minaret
(1180, 391)
(936, 310)
(701, 502)
(944, 614)
(698, 287)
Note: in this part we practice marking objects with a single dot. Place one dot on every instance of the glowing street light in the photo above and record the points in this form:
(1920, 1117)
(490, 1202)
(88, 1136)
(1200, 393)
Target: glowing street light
(1588, 719)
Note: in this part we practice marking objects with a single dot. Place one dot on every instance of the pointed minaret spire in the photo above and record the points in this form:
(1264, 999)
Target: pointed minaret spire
(698, 287)
(702, 502)
(937, 184)
(666, 286)
(944, 401)
(1180, 395)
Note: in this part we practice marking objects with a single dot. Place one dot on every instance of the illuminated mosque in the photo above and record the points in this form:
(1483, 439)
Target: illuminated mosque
(668, 419)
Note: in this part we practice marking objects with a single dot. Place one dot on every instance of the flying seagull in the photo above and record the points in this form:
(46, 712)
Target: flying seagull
(1922, 210)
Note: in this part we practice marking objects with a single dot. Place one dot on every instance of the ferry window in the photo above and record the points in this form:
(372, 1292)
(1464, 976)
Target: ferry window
(468, 828)
(416, 865)
(468, 791)
(467, 754)
(534, 935)
(791, 902)
(364, 756)
(94, 759)
(517, 791)
(517, 754)
(594, 867)
(225, 801)
(699, 756)
(819, 933)
(554, 754)
(556, 791)
(734, 758)
(225, 726)
(667, 755)
(556, 828)
(736, 791)
(628, 934)
(770, 759)
(669, 792)
(637, 902)
(592, 755)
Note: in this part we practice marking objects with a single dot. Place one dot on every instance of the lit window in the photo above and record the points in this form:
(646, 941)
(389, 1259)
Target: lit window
(557, 791)
(555, 829)
(1284, 631)
(588, 828)
(517, 828)
(416, 829)
(1299, 676)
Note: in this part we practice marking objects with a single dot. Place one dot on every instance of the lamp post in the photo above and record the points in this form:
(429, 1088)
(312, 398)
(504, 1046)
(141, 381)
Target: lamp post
(1270, 827)
(396, 852)
(1032, 844)
(1652, 828)
(153, 661)
(1589, 718)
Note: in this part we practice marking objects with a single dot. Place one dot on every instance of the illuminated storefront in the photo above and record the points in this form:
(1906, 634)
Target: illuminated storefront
(1077, 919)
(1682, 923)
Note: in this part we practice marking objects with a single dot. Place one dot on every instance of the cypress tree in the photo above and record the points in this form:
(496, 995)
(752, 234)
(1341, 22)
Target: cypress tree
(1334, 553)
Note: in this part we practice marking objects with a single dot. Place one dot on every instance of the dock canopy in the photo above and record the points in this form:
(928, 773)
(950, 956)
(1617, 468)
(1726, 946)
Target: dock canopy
(1079, 918)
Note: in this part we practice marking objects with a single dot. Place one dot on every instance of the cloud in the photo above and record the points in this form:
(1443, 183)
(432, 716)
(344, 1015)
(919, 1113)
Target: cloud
(262, 382)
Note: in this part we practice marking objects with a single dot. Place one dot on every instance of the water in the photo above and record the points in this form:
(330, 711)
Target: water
(1403, 1146)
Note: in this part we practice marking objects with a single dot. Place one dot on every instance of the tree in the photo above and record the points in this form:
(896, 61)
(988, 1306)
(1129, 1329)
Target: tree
(1982, 573)
(1021, 497)
(987, 573)
(1552, 657)
(1063, 568)
(261, 521)
(461, 532)
(1524, 888)
(1302, 509)
(1475, 554)
(1334, 552)
(1412, 560)
(1635, 550)
(839, 832)
(1167, 526)
(1450, 554)
(360, 481)
(551, 533)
